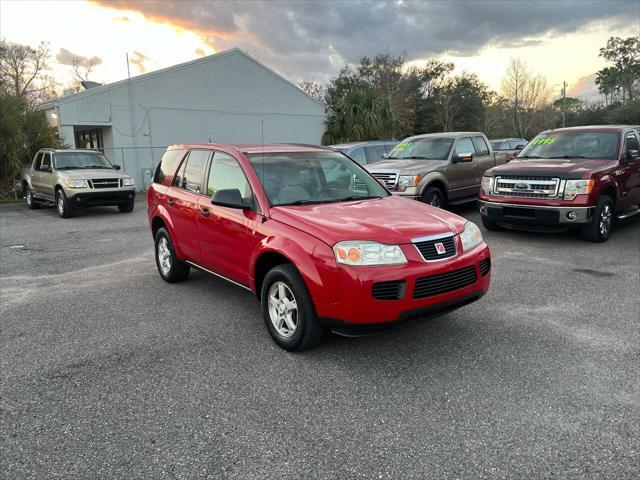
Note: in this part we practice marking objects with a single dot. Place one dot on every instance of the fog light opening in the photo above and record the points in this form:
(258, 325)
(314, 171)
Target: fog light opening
(483, 209)
(572, 216)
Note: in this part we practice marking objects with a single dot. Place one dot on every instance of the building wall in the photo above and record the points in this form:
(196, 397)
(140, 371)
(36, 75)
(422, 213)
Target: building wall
(226, 98)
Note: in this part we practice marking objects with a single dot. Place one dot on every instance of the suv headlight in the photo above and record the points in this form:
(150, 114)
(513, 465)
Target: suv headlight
(76, 184)
(407, 181)
(128, 182)
(471, 236)
(573, 188)
(487, 185)
(363, 253)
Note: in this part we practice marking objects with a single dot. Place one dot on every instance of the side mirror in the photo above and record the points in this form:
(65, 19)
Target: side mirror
(463, 157)
(116, 167)
(229, 197)
(629, 157)
(519, 147)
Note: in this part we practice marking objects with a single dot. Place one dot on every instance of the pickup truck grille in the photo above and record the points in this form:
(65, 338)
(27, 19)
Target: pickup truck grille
(527, 187)
(429, 250)
(105, 183)
(389, 179)
(445, 282)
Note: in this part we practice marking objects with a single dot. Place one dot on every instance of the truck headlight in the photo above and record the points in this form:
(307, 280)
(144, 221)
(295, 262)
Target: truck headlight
(407, 181)
(487, 185)
(128, 182)
(362, 253)
(573, 188)
(76, 184)
(471, 236)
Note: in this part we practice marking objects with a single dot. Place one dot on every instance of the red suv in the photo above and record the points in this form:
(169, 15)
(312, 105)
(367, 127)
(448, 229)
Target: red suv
(318, 240)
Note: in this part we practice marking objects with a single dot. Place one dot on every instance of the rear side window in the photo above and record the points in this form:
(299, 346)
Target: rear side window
(464, 146)
(375, 153)
(191, 171)
(167, 164)
(481, 146)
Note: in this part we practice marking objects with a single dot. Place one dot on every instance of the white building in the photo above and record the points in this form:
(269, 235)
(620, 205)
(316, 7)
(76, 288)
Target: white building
(228, 97)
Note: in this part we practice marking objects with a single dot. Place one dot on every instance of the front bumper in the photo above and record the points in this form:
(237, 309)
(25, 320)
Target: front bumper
(102, 198)
(358, 310)
(517, 214)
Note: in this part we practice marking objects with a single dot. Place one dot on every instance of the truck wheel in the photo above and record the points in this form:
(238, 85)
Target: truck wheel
(433, 196)
(170, 267)
(64, 208)
(490, 224)
(126, 207)
(32, 203)
(288, 311)
(599, 228)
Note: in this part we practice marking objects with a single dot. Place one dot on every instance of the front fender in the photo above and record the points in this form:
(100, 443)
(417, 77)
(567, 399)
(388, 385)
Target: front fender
(429, 178)
(313, 259)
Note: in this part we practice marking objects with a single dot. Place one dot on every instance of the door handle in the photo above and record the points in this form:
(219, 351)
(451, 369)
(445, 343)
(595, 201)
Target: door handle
(169, 202)
(204, 212)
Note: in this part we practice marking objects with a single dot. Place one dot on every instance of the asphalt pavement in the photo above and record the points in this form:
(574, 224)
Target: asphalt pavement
(108, 372)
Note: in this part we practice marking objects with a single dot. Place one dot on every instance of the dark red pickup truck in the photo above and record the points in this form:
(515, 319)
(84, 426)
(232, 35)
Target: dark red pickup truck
(580, 176)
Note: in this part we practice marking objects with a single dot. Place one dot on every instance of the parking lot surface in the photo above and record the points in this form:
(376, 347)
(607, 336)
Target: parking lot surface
(109, 372)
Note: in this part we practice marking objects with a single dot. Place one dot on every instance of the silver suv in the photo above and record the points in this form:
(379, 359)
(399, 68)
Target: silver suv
(437, 168)
(73, 179)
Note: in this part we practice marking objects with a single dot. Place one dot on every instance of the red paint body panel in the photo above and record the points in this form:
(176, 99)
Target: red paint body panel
(230, 242)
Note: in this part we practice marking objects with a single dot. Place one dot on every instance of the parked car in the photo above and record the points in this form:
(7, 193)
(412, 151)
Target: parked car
(73, 179)
(437, 168)
(507, 148)
(571, 177)
(366, 152)
(341, 254)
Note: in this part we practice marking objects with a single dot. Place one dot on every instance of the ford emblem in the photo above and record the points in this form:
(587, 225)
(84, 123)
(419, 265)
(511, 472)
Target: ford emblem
(522, 186)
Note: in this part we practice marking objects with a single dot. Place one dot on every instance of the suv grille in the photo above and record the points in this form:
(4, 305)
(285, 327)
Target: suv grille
(527, 187)
(485, 266)
(445, 282)
(388, 290)
(429, 251)
(389, 179)
(105, 183)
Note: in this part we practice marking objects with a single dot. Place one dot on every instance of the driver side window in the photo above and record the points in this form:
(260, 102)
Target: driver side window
(226, 173)
(464, 147)
(631, 144)
(46, 162)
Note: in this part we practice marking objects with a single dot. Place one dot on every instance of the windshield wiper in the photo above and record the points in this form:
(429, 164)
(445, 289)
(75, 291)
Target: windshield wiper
(96, 166)
(358, 197)
(528, 156)
(569, 156)
(305, 202)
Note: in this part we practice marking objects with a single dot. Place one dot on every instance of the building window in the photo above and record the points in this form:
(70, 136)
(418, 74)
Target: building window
(89, 139)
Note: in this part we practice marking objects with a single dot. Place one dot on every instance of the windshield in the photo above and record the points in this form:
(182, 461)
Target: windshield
(301, 178)
(423, 149)
(73, 160)
(578, 144)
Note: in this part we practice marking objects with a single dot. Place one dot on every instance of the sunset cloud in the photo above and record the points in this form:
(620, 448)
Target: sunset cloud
(138, 59)
(66, 57)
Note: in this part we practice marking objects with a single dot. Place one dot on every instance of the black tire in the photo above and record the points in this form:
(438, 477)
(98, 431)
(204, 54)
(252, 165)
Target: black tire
(32, 203)
(434, 196)
(126, 207)
(308, 330)
(599, 227)
(63, 206)
(490, 224)
(177, 270)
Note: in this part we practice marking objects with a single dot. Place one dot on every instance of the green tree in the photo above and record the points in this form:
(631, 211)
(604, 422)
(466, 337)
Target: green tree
(624, 73)
(361, 114)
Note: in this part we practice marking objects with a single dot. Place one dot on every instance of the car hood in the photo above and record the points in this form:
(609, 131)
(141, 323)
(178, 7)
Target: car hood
(408, 167)
(563, 168)
(92, 173)
(390, 220)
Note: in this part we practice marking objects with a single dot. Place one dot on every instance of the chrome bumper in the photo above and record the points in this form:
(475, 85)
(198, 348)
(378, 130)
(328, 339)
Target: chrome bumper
(508, 212)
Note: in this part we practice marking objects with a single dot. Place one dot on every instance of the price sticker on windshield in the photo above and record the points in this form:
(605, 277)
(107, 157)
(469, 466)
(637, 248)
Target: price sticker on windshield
(544, 141)
(402, 146)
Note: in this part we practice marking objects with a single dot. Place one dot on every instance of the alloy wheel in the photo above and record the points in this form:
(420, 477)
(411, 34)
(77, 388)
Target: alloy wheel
(29, 197)
(164, 256)
(60, 204)
(283, 309)
(605, 219)
(435, 201)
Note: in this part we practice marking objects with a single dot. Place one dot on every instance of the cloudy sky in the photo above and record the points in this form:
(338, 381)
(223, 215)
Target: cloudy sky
(311, 40)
